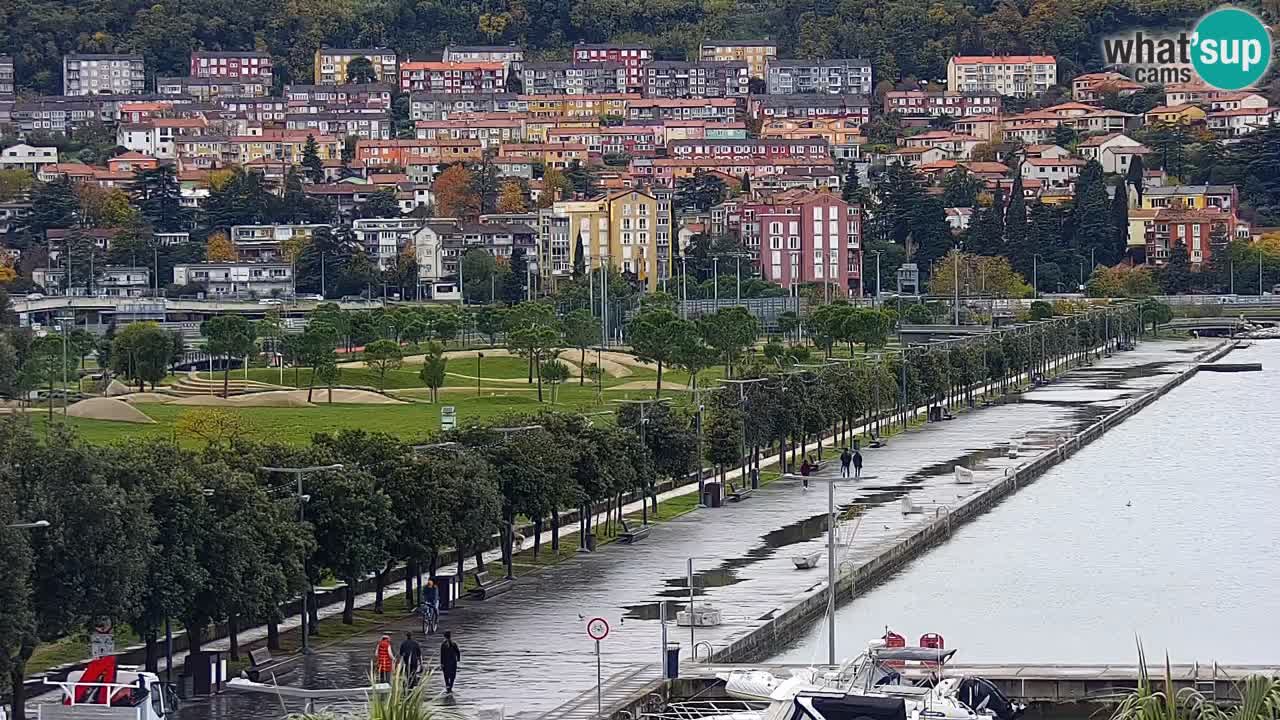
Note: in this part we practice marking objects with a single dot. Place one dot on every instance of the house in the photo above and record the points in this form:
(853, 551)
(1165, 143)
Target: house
(1196, 197)
(755, 53)
(132, 162)
(956, 147)
(833, 77)
(330, 64)
(231, 64)
(385, 238)
(75, 172)
(103, 74)
(1114, 151)
(1020, 76)
(1185, 114)
(807, 237)
(987, 170)
(1242, 121)
(632, 57)
(27, 157)
(158, 137)
(917, 156)
(1045, 150)
(1224, 100)
(259, 243)
(958, 218)
(679, 79)
(1093, 88)
(1053, 173)
(237, 279)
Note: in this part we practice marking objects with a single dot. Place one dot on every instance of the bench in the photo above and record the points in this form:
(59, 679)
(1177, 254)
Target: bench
(632, 533)
(487, 588)
(740, 493)
(261, 663)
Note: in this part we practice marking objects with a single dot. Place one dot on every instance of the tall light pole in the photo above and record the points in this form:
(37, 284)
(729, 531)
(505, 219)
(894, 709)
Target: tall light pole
(35, 525)
(298, 474)
(831, 559)
(715, 281)
(684, 292)
(1035, 276)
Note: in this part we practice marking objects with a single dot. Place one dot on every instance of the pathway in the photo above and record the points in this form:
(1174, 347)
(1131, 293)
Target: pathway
(527, 650)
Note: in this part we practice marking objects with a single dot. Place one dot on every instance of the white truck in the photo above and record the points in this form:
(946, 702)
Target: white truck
(135, 695)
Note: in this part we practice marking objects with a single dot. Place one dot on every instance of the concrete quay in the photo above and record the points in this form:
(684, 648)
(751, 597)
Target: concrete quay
(528, 650)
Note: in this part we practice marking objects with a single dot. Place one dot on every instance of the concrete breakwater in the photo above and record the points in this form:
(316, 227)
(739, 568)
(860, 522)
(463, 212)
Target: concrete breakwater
(760, 642)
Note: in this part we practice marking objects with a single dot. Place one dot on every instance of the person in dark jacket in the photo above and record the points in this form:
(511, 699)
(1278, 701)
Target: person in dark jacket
(857, 464)
(845, 458)
(410, 656)
(450, 654)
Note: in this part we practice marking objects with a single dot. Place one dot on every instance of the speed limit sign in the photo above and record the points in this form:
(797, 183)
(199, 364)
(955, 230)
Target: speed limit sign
(597, 628)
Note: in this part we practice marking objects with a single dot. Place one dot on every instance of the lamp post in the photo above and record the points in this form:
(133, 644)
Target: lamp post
(831, 560)
(1035, 276)
(35, 525)
(298, 474)
(877, 253)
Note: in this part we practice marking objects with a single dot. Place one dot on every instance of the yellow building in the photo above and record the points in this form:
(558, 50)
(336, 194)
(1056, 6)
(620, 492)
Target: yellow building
(1193, 197)
(1184, 114)
(331, 64)
(535, 129)
(629, 229)
(284, 146)
(577, 106)
(755, 53)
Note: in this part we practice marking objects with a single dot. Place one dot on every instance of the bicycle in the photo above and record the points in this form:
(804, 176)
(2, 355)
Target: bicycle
(430, 619)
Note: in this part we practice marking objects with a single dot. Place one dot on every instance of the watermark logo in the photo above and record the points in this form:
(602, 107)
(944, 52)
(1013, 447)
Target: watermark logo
(1229, 49)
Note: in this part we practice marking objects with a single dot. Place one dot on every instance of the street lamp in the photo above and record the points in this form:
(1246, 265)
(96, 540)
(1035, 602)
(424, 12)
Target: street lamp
(831, 559)
(877, 253)
(36, 525)
(298, 474)
(1035, 276)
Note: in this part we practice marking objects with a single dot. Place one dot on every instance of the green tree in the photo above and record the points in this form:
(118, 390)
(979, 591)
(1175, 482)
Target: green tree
(960, 188)
(1175, 276)
(158, 197)
(142, 353)
(53, 206)
(353, 525)
(653, 334)
(360, 71)
(579, 259)
(491, 320)
(231, 336)
(581, 331)
(382, 356)
(380, 204)
(852, 191)
(729, 331)
(314, 348)
(1091, 216)
(553, 372)
(513, 285)
(434, 366)
(700, 192)
(312, 165)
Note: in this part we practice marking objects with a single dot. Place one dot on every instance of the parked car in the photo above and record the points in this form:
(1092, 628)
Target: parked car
(270, 301)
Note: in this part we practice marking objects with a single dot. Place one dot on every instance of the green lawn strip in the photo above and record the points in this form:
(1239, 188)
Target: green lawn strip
(72, 649)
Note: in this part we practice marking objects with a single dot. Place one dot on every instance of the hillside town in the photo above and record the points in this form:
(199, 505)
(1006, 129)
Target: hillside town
(613, 157)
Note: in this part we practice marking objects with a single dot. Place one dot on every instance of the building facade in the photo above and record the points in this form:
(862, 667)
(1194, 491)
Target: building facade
(331, 64)
(6, 77)
(564, 78)
(677, 79)
(829, 77)
(921, 105)
(807, 237)
(1019, 76)
(633, 57)
(237, 64)
(467, 78)
(103, 75)
(384, 239)
(755, 53)
(237, 279)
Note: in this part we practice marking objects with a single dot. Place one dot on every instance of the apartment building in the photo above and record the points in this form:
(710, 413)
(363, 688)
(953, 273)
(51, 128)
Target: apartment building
(678, 79)
(769, 107)
(1020, 76)
(385, 238)
(703, 109)
(807, 237)
(566, 78)
(810, 150)
(465, 78)
(633, 57)
(103, 75)
(6, 77)
(828, 77)
(921, 106)
(54, 115)
(234, 64)
(365, 96)
(510, 55)
(441, 242)
(331, 64)
(406, 153)
(755, 53)
(27, 157)
(343, 124)
(211, 88)
(263, 243)
(442, 106)
(629, 229)
(240, 279)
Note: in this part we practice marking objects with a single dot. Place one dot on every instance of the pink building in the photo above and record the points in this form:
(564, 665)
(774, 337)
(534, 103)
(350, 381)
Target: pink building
(807, 237)
(232, 64)
(635, 57)
(768, 149)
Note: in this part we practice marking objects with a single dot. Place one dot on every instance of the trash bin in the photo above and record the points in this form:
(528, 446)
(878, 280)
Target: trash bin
(447, 590)
(935, 413)
(755, 478)
(207, 670)
(671, 667)
(591, 542)
(712, 496)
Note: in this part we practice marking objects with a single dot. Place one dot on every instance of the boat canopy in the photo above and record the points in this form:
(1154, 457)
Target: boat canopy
(918, 654)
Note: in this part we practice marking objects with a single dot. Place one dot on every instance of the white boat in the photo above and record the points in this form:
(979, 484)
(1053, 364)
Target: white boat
(875, 675)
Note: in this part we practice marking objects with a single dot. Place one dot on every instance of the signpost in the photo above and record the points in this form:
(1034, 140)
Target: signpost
(448, 417)
(598, 629)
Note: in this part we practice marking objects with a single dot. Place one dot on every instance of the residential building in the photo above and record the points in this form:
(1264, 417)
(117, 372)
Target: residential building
(921, 106)
(1240, 122)
(331, 64)
(6, 77)
(261, 243)
(678, 79)
(234, 64)
(132, 162)
(630, 140)
(1203, 231)
(440, 243)
(917, 156)
(510, 55)
(208, 89)
(27, 157)
(1114, 151)
(566, 78)
(629, 229)
(103, 75)
(1195, 197)
(857, 107)
(53, 115)
(1055, 174)
(282, 146)
(158, 138)
(375, 96)
(1095, 87)
(238, 279)
(1185, 114)
(552, 155)
(830, 77)
(844, 135)
(564, 107)
(755, 53)
(809, 150)
(806, 237)
(633, 57)
(1019, 76)
(384, 239)
(663, 109)
(442, 106)
(489, 129)
(667, 172)
(343, 124)
(956, 146)
(458, 78)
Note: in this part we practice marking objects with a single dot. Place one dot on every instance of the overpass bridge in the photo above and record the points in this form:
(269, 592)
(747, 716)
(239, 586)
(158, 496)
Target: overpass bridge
(104, 310)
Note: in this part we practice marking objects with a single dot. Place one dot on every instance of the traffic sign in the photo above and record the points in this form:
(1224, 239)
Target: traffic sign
(597, 628)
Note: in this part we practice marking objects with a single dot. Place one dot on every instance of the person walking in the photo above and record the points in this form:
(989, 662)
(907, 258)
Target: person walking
(383, 659)
(845, 458)
(411, 658)
(450, 654)
(857, 465)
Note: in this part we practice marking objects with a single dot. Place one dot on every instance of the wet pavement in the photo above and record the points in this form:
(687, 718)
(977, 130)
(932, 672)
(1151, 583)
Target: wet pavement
(528, 650)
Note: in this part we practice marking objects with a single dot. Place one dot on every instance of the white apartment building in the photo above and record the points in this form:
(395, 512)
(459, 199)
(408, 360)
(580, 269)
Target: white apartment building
(27, 157)
(241, 279)
(385, 238)
(1011, 75)
(103, 75)
(269, 242)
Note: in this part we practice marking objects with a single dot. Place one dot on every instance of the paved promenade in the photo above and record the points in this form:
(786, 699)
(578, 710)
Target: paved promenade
(528, 651)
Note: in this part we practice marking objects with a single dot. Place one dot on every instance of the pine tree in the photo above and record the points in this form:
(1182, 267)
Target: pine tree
(985, 236)
(852, 191)
(1120, 221)
(746, 183)
(1015, 216)
(579, 258)
(159, 198)
(1091, 219)
(53, 205)
(1136, 177)
(311, 163)
(513, 285)
(1175, 276)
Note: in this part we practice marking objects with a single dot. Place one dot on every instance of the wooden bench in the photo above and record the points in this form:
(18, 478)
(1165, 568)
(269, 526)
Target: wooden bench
(740, 493)
(261, 664)
(487, 588)
(632, 533)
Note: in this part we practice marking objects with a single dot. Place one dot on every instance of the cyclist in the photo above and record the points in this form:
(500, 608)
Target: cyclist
(430, 607)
